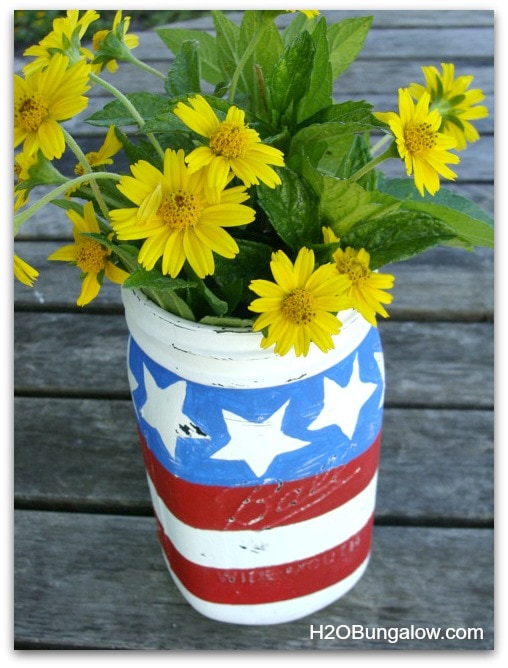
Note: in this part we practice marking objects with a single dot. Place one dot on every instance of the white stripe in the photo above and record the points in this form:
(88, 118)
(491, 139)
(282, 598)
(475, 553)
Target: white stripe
(269, 547)
(272, 613)
(229, 357)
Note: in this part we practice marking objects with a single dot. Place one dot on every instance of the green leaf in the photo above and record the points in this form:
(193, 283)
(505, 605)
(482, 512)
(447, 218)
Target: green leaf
(398, 236)
(115, 113)
(352, 111)
(161, 290)
(171, 302)
(68, 205)
(344, 204)
(43, 172)
(233, 276)
(290, 78)
(357, 156)
(292, 209)
(470, 224)
(165, 121)
(331, 132)
(184, 76)
(228, 35)
(154, 280)
(346, 40)
(336, 156)
(320, 87)
(204, 299)
(302, 164)
(134, 152)
(299, 22)
(175, 37)
(252, 261)
(259, 65)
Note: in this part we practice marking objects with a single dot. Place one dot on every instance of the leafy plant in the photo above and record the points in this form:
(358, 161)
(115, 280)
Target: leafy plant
(243, 160)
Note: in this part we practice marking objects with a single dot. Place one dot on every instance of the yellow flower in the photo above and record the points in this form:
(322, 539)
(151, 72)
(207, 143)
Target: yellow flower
(299, 307)
(22, 164)
(130, 41)
(329, 235)
(24, 272)
(60, 39)
(89, 255)
(309, 13)
(232, 147)
(455, 103)
(366, 287)
(45, 98)
(420, 144)
(103, 156)
(176, 218)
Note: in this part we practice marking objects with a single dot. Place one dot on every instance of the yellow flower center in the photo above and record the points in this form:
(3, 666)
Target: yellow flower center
(91, 158)
(32, 112)
(419, 138)
(299, 307)
(180, 210)
(91, 256)
(352, 267)
(229, 140)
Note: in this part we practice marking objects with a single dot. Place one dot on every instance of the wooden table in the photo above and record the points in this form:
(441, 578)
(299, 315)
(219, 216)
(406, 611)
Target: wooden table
(89, 573)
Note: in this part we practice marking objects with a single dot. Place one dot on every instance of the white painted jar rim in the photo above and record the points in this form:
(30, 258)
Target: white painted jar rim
(227, 356)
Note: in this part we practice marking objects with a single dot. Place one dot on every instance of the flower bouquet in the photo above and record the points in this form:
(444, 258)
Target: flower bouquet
(249, 232)
(253, 199)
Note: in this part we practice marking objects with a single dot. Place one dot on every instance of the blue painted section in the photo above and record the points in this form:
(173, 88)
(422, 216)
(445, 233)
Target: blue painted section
(202, 428)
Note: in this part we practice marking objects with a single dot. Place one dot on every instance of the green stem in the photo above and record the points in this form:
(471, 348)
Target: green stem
(23, 216)
(130, 107)
(379, 144)
(144, 66)
(72, 144)
(391, 152)
(243, 60)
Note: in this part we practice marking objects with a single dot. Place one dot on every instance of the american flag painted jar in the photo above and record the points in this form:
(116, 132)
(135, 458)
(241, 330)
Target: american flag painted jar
(262, 469)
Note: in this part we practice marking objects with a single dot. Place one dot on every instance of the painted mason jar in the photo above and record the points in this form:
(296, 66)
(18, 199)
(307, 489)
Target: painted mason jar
(262, 469)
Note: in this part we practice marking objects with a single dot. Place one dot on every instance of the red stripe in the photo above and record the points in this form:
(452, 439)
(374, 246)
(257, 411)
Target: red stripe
(271, 583)
(262, 506)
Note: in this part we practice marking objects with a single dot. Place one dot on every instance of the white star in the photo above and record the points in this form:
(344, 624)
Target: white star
(163, 411)
(342, 405)
(380, 362)
(257, 443)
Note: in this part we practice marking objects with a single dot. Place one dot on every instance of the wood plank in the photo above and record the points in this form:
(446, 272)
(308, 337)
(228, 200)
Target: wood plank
(442, 284)
(432, 364)
(407, 32)
(440, 364)
(109, 589)
(402, 24)
(436, 465)
(436, 19)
